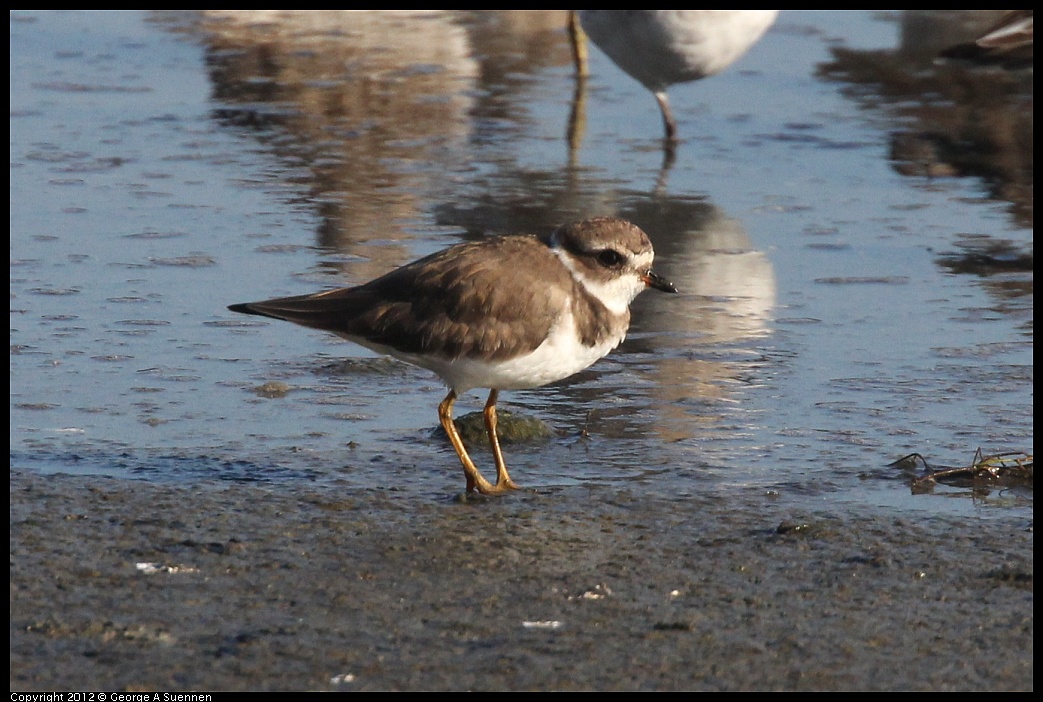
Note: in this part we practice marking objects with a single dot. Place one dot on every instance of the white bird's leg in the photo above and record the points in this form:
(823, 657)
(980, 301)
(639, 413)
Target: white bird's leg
(668, 117)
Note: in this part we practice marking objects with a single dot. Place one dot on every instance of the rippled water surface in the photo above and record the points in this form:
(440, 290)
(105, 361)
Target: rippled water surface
(849, 224)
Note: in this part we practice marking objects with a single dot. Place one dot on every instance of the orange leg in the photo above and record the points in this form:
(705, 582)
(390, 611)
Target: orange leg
(503, 481)
(475, 481)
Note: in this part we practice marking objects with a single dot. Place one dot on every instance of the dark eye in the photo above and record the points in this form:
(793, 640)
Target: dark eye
(610, 258)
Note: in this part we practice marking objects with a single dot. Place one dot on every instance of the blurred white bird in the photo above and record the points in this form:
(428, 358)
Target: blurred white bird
(662, 47)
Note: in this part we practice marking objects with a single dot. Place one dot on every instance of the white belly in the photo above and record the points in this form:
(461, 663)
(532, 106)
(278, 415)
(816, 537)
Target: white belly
(562, 354)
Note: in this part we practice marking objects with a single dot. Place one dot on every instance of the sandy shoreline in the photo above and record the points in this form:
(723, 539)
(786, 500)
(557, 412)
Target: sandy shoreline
(256, 587)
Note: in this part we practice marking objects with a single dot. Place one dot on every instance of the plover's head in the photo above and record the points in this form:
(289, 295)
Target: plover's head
(610, 257)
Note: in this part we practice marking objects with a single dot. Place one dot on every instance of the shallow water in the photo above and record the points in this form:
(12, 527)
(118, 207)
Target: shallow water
(851, 230)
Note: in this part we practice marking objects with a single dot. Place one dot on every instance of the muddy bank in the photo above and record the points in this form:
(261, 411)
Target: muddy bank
(265, 587)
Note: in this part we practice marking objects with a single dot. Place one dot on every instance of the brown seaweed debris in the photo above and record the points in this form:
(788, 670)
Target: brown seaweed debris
(1009, 469)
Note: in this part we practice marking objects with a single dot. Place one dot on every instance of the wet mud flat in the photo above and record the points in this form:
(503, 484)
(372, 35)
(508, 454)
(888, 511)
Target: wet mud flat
(121, 585)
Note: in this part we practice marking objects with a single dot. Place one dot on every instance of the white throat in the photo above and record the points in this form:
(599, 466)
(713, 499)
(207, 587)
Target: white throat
(615, 294)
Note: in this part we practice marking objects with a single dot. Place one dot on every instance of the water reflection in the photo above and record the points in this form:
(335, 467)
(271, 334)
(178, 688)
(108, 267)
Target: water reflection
(948, 118)
(369, 110)
(355, 106)
(958, 118)
(709, 257)
(704, 341)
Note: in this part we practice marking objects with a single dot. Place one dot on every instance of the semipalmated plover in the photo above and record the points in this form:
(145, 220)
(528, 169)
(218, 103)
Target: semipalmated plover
(504, 313)
(659, 48)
